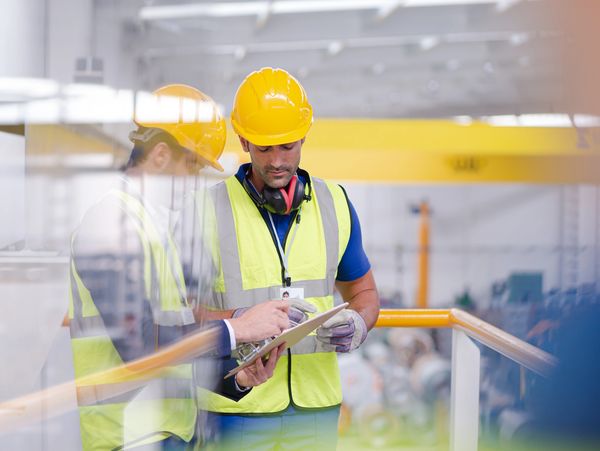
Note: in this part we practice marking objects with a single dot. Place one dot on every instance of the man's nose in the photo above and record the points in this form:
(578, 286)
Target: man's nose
(277, 156)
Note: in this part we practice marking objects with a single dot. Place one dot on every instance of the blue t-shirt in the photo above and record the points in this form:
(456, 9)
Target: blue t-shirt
(354, 263)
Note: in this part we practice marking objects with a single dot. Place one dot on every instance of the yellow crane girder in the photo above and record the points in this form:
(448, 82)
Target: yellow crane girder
(444, 151)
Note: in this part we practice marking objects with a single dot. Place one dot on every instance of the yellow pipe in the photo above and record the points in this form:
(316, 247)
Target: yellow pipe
(423, 256)
(413, 318)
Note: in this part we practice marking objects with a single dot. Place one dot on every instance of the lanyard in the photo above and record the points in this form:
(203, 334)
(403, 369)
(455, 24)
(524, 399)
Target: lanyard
(284, 255)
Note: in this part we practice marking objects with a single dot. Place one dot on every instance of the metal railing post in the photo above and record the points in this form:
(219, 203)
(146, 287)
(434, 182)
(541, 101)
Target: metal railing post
(464, 397)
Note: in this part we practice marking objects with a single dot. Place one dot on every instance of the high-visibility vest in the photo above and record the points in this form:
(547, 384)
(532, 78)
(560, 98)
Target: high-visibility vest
(167, 407)
(250, 272)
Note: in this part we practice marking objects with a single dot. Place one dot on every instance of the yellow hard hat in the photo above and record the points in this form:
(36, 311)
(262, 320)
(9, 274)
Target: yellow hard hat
(189, 116)
(271, 108)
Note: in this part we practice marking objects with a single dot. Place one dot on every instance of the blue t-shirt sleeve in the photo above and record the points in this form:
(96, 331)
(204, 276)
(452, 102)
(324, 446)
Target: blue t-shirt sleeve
(354, 263)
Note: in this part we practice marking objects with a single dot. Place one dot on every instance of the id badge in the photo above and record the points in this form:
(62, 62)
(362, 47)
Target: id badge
(291, 293)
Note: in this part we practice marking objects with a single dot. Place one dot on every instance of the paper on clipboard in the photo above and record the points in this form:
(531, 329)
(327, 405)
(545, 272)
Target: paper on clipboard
(290, 336)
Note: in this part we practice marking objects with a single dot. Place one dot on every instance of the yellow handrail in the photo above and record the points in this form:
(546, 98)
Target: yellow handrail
(512, 347)
(58, 400)
(413, 318)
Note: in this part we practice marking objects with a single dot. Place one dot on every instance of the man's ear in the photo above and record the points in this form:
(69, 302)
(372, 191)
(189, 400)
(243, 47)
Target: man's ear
(302, 140)
(244, 143)
(160, 156)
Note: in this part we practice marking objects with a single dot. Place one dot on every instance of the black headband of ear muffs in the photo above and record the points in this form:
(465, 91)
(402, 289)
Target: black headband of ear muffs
(281, 201)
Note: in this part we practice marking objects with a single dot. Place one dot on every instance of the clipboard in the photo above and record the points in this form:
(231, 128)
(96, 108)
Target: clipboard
(290, 336)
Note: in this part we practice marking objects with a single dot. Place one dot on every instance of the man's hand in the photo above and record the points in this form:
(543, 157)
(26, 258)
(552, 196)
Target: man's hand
(264, 320)
(342, 333)
(299, 310)
(259, 372)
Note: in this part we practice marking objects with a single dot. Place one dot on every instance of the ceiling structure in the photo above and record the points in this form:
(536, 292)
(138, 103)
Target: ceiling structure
(356, 58)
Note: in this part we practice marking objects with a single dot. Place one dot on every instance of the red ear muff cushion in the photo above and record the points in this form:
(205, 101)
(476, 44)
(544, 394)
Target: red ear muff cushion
(280, 201)
(289, 196)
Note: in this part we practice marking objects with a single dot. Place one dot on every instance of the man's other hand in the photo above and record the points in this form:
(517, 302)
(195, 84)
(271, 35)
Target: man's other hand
(260, 371)
(299, 310)
(342, 333)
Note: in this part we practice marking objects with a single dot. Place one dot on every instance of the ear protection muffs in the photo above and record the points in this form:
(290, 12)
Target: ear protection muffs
(280, 201)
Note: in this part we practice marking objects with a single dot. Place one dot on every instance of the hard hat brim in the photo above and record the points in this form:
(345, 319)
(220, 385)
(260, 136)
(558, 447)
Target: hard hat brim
(271, 140)
(216, 165)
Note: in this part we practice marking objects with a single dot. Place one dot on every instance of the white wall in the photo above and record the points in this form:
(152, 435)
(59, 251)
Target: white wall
(22, 38)
(70, 36)
(12, 190)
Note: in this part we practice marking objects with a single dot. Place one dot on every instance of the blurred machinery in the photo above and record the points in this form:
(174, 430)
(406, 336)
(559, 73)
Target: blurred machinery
(521, 307)
(395, 390)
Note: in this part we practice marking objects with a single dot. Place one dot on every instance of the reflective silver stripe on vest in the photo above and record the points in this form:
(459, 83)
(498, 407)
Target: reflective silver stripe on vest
(75, 329)
(307, 345)
(169, 388)
(77, 302)
(228, 250)
(90, 326)
(93, 326)
(80, 326)
(185, 316)
(312, 289)
(235, 296)
(330, 230)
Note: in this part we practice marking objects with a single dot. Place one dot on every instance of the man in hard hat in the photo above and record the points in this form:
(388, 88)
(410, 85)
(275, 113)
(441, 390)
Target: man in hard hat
(282, 231)
(128, 294)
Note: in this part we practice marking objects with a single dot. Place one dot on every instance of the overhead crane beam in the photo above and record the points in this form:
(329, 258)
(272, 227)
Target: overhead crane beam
(409, 151)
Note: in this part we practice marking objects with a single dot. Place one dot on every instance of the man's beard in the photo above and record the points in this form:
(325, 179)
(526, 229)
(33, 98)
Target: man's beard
(277, 182)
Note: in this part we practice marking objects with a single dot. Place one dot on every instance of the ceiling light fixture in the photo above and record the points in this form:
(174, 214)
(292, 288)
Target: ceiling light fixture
(21, 87)
(429, 42)
(334, 48)
(260, 7)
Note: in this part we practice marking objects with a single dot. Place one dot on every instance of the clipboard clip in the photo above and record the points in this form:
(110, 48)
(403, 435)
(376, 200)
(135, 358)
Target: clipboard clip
(247, 351)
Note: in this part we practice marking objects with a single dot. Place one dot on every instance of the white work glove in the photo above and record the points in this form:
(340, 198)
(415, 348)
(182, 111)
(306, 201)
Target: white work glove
(342, 333)
(299, 310)
(297, 313)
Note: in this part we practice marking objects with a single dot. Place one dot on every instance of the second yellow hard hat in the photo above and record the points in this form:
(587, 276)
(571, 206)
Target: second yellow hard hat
(189, 116)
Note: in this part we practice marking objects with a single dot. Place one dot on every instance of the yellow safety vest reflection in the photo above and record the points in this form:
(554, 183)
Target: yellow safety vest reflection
(167, 407)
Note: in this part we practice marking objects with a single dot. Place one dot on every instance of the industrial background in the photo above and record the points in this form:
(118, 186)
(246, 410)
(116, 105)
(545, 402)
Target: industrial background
(462, 130)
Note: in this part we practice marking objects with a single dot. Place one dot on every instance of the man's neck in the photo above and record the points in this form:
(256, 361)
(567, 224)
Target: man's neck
(257, 182)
